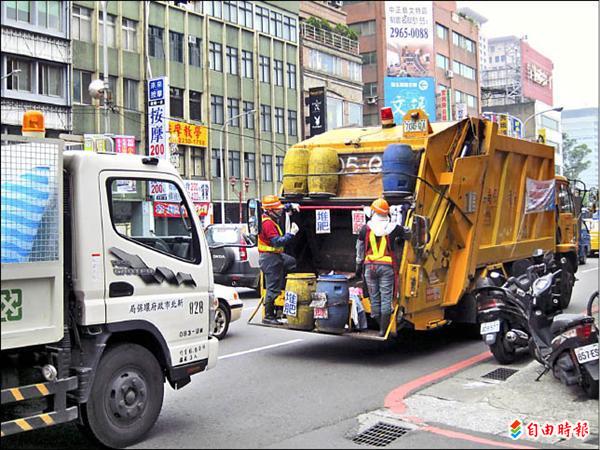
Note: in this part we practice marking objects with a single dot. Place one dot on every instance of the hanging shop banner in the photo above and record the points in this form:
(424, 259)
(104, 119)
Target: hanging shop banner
(125, 144)
(358, 221)
(317, 110)
(516, 127)
(409, 36)
(188, 134)
(445, 105)
(171, 210)
(405, 93)
(158, 114)
(323, 221)
(461, 111)
(539, 196)
(94, 142)
(199, 191)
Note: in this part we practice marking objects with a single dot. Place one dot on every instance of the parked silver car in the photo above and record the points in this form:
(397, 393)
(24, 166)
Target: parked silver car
(234, 255)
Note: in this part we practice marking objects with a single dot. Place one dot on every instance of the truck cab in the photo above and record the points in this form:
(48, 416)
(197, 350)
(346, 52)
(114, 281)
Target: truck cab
(107, 289)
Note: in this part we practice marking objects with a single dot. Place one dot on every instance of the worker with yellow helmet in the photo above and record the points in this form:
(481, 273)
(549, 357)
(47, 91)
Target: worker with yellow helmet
(274, 263)
(377, 247)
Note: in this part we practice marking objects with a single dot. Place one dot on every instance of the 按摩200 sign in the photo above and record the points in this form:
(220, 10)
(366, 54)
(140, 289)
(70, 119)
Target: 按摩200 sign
(158, 117)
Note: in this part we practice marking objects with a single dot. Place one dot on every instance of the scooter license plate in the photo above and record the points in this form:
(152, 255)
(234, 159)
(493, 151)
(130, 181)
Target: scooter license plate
(587, 353)
(490, 327)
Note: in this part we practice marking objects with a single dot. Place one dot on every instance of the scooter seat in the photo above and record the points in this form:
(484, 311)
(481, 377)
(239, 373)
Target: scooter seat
(562, 322)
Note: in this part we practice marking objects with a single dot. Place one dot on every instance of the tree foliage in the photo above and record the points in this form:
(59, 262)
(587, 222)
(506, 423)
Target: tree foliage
(574, 157)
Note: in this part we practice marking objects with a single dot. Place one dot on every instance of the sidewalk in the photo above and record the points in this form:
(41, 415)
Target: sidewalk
(473, 403)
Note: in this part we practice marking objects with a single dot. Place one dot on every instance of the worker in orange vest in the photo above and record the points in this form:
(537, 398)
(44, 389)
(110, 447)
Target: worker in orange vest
(274, 263)
(379, 241)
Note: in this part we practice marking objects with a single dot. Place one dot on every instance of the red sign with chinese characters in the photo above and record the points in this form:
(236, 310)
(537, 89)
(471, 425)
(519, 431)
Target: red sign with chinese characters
(171, 210)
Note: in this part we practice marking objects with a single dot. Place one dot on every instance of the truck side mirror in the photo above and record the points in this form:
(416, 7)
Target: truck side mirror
(254, 222)
(420, 231)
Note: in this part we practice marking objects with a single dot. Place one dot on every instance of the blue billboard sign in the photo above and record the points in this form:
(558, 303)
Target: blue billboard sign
(405, 93)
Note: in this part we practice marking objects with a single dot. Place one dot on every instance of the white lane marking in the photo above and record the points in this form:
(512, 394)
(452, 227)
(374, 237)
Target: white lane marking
(590, 270)
(258, 349)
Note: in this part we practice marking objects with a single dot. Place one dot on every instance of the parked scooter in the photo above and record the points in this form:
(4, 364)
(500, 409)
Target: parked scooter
(567, 344)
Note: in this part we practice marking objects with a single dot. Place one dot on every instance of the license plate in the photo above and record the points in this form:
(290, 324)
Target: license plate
(415, 126)
(490, 327)
(320, 313)
(587, 353)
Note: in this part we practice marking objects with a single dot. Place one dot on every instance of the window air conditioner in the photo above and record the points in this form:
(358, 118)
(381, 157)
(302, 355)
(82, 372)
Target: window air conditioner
(372, 100)
(192, 39)
(449, 74)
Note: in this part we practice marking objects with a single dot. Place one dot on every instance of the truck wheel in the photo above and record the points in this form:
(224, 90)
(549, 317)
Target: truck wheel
(567, 284)
(126, 396)
(222, 318)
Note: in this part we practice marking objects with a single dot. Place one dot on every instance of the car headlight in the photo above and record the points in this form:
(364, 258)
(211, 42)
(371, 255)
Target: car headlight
(541, 284)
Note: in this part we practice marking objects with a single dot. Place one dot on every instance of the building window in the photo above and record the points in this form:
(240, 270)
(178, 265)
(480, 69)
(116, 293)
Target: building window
(130, 94)
(249, 118)
(19, 81)
(155, 42)
(247, 64)
(245, 14)
(441, 61)
(176, 46)
(279, 167)
(364, 28)
(50, 80)
(129, 35)
(232, 60)
(49, 14)
(195, 106)
(369, 58)
(279, 120)
(81, 81)
(463, 42)
(334, 65)
(291, 73)
(176, 102)
(369, 89)
(195, 51)
(214, 8)
(215, 53)
(233, 109)
(463, 70)
(276, 24)
(81, 23)
(216, 109)
(441, 31)
(19, 11)
(278, 72)
(265, 117)
(262, 19)
(181, 159)
(289, 29)
(198, 166)
(250, 166)
(230, 11)
(113, 86)
(265, 67)
(292, 123)
(110, 29)
(234, 163)
(267, 167)
(215, 163)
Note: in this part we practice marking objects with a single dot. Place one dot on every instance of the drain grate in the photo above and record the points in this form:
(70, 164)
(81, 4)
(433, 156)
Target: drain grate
(501, 374)
(380, 435)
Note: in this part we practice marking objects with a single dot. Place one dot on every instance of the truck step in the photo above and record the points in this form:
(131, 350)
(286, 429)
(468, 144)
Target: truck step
(39, 421)
(19, 394)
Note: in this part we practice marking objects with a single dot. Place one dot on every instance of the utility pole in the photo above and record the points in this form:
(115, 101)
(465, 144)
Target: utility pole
(105, 58)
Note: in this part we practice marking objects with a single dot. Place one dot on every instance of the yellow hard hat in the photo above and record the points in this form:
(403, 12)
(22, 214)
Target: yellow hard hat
(380, 206)
(271, 202)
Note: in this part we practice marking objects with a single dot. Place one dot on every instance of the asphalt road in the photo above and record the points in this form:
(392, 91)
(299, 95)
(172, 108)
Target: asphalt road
(278, 388)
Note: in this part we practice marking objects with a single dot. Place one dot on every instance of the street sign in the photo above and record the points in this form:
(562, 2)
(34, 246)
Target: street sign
(158, 117)
(317, 101)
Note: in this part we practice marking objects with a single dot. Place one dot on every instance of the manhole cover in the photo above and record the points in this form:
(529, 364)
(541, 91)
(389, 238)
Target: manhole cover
(501, 374)
(380, 435)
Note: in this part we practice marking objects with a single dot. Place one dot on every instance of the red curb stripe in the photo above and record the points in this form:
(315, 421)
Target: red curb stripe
(468, 437)
(394, 401)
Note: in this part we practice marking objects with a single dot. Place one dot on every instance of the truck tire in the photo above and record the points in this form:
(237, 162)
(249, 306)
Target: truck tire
(567, 284)
(126, 396)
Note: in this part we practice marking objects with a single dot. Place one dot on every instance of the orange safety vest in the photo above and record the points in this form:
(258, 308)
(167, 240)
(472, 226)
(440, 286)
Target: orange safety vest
(264, 247)
(377, 254)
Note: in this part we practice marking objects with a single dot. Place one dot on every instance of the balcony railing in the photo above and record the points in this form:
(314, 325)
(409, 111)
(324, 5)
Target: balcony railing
(329, 38)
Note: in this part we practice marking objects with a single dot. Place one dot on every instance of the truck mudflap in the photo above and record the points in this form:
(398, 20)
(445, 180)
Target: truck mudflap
(61, 413)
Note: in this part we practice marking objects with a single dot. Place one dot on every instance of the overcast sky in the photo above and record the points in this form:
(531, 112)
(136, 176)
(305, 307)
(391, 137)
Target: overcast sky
(565, 32)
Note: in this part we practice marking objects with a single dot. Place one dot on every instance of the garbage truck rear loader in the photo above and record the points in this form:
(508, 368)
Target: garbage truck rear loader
(104, 295)
(474, 199)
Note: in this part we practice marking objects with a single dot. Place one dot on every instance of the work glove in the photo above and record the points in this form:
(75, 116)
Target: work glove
(294, 229)
(292, 207)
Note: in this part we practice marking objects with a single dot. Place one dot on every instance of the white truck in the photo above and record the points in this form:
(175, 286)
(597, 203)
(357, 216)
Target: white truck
(106, 289)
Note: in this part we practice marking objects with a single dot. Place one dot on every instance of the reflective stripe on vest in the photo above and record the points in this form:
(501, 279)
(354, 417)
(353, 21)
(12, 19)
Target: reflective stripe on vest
(263, 246)
(378, 254)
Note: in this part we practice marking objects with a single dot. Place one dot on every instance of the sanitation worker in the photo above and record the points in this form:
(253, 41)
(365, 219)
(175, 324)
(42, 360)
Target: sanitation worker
(377, 247)
(274, 264)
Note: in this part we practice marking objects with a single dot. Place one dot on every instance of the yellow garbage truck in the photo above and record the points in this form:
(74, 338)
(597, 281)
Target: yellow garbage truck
(474, 199)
